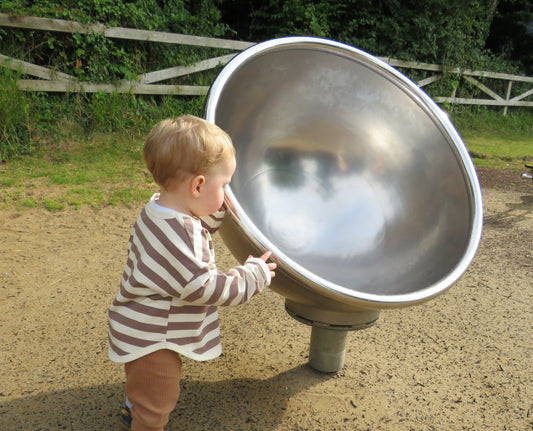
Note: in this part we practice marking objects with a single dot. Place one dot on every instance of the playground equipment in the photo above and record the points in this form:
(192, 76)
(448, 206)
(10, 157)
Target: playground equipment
(352, 176)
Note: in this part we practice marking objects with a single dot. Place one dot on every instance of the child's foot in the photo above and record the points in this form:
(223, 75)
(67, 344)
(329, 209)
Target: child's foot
(125, 418)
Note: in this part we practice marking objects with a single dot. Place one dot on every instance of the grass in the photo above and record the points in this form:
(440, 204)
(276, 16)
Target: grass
(500, 150)
(498, 141)
(108, 169)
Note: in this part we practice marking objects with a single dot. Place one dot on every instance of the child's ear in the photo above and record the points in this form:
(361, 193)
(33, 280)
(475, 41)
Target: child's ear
(197, 184)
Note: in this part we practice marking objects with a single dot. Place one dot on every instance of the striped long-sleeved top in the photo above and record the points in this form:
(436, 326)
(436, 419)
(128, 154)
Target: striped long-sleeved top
(171, 288)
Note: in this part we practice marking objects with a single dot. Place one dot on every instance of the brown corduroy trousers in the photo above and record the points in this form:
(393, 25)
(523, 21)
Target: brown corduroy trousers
(153, 387)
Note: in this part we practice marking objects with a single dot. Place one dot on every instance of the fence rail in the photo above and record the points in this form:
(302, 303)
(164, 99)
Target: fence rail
(150, 82)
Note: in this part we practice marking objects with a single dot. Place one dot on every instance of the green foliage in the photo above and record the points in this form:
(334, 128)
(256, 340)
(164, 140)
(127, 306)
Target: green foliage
(15, 133)
(28, 120)
(474, 119)
(451, 32)
(511, 33)
(108, 112)
(93, 57)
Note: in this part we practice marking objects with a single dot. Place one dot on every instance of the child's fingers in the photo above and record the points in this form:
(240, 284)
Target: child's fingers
(266, 255)
(272, 267)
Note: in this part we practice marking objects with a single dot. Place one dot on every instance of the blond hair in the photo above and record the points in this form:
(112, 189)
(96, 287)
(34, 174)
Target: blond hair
(182, 146)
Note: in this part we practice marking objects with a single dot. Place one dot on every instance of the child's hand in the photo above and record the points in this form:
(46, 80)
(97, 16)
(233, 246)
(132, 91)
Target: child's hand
(272, 266)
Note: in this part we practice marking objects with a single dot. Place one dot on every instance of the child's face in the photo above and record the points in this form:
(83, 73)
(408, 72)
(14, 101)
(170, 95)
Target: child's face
(211, 194)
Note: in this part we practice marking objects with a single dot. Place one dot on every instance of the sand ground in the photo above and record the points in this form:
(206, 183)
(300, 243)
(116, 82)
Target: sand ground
(462, 361)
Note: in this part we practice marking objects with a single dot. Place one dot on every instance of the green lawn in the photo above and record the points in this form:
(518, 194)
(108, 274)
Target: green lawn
(500, 150)
(104, 171)
(108, 170)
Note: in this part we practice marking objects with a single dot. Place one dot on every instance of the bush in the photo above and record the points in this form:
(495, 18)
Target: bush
(28, 119)
(15, 134)
(485, 119)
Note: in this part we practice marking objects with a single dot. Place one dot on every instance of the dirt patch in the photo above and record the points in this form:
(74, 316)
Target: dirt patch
(460, 361)
(505, 179)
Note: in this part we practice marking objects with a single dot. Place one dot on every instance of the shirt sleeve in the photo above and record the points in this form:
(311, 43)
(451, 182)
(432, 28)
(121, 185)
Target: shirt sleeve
(175, 258)
(237, 286)
(209, 286)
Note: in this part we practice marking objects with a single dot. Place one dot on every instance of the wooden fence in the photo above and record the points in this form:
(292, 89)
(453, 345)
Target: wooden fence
(150, 82)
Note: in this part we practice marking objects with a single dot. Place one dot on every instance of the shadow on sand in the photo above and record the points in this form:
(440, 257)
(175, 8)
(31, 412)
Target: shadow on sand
(234, 404)
(515, 213)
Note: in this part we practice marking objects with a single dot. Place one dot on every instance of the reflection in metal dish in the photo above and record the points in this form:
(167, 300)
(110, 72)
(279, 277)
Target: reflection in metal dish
(350, 174)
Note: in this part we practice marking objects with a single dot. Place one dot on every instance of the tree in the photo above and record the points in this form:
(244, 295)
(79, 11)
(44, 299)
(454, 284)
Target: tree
(511, 33)
(452, 32)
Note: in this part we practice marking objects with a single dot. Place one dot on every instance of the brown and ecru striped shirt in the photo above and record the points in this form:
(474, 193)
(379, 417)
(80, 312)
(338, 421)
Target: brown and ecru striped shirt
(171, 288)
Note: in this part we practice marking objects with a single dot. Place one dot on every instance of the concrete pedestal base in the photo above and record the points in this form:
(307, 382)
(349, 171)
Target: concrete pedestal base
(327, 349)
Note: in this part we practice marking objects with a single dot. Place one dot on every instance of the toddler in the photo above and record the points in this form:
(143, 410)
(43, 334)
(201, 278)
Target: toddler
(170, 289)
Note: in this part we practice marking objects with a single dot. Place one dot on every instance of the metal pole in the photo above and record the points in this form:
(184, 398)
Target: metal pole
(327, 349)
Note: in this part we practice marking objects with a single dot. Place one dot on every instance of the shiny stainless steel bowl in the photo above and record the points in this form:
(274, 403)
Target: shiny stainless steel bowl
(351, 175)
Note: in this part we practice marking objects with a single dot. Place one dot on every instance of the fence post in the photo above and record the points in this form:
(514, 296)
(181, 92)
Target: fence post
(509, 86)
